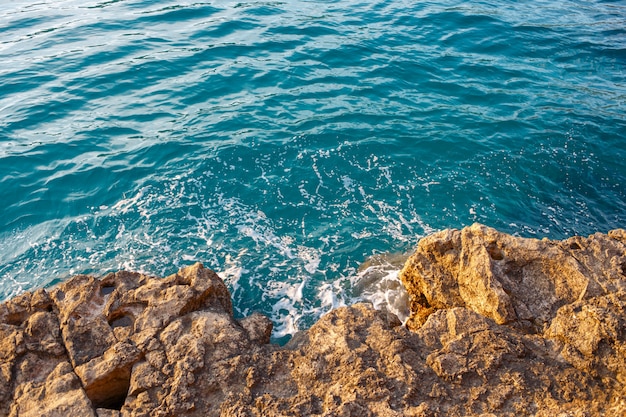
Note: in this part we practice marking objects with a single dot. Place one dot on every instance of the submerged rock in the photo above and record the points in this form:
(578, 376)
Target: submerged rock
(499, 325)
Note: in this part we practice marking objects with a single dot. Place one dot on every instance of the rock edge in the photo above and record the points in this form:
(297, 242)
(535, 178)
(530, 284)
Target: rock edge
(500, 325)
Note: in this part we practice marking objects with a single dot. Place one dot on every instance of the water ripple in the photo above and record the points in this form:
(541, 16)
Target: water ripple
(283, 143)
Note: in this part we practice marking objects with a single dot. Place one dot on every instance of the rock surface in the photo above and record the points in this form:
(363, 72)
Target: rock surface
(500, 325)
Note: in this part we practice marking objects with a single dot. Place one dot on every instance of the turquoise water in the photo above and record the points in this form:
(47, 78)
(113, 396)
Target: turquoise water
(284, 143)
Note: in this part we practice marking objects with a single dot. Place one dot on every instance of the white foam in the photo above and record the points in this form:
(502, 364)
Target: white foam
(348, 183)
(287, 310)
(310, 257)
(380, 284)
(263, 235)
(361, 235)
(331, 296)
(290, 276)
(127, 204)
(233, 271)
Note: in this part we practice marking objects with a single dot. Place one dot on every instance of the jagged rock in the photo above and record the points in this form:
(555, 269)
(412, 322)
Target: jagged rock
(570, 295)
(500, 326)
(59, 395)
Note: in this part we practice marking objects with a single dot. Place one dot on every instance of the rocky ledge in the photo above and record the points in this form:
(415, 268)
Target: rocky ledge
(500, 325)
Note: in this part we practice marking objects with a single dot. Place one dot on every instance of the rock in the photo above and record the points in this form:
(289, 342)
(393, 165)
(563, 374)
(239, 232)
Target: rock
(258, 327)
(59, 395)
(499, 325)
(569, 296)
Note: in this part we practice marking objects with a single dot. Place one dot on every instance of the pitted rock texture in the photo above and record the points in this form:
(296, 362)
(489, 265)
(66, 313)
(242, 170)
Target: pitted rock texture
(569, 295)
(500, 326)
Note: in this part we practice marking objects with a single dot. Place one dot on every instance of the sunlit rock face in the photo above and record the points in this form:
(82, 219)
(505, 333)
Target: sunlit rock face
(498, 325)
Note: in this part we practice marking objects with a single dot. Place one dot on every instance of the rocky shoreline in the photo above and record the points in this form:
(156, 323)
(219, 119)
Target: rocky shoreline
(499, 325)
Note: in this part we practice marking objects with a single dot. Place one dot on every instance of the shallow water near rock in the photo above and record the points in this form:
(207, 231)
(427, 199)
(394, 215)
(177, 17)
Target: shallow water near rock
(284, 143)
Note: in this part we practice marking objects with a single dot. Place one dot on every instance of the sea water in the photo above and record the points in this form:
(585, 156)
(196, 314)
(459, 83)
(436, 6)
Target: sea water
(284, 143)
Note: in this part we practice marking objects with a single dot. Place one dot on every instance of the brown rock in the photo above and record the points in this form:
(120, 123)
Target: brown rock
(86, 332)
(567, 297)
(59, 395)
(258, 327)
(510, 279)
(501, 326)
(106, 378)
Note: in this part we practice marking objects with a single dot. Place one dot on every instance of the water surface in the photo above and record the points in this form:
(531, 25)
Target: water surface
(284, 143)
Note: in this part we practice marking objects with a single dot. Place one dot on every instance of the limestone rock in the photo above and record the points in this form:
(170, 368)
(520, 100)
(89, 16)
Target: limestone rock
(59, 395)
(500, 326)
(87, 347)
(570, 295)
(509, 279)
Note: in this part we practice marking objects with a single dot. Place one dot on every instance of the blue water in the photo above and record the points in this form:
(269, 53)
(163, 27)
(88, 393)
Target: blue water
(284, 143)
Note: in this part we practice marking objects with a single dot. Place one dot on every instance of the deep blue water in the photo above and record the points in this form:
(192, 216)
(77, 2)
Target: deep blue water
(284, 143)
